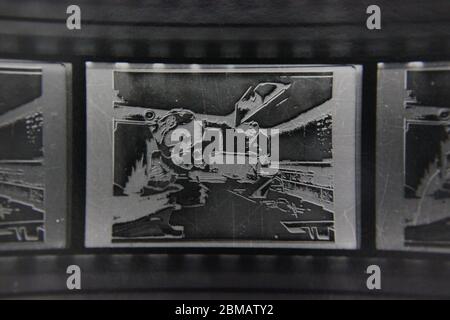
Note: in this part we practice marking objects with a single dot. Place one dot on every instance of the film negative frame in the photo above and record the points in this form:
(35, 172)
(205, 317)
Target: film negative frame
(406, 133)
(100, 79)
(54, 105)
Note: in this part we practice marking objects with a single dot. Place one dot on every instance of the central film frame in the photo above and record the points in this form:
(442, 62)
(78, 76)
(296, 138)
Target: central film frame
(222, 156)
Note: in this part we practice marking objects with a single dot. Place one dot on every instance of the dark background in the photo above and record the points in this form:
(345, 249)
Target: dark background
(236, 32)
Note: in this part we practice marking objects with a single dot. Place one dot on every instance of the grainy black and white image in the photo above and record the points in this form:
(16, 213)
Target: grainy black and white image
(277, 185)
(26, 99)
(422, 104)
(21, 156)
